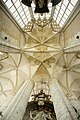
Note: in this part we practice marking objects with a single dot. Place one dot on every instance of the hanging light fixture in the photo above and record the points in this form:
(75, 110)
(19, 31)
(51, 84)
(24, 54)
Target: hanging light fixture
(41, 5)
(27, 2)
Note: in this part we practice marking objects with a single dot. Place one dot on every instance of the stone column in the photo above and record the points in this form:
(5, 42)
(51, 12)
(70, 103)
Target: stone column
(75, 102)
(6, 103)
(63, 108)
(17, 107)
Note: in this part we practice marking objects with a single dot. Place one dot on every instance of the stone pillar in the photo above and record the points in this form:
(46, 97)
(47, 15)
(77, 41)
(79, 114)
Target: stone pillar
(16, 108)
(63, 108)
(6, 103)
(75, 102)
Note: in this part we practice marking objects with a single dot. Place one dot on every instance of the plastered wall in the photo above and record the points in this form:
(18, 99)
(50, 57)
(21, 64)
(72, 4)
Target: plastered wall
(11, 29)
(74, 27)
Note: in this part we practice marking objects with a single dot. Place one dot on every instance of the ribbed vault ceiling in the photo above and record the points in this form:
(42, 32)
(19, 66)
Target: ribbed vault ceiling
(41, 60)
(43, 57)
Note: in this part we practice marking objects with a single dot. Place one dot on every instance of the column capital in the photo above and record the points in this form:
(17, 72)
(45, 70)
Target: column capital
(53, 81)
(32, 82)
